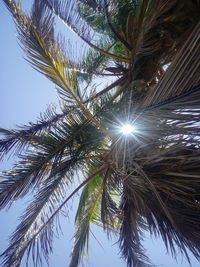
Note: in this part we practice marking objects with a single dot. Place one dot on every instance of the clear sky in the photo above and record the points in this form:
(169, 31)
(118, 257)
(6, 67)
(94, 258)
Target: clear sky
(25, 93)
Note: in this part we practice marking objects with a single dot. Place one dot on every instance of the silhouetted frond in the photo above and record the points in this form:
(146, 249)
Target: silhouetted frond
(18, 139)
(43, 229)
(93, 63)
(88, 211)
(130, 234)
(110, 203)
(44, 52)
(49, 197)
(66, 11)
(186, 64)
(47, 150)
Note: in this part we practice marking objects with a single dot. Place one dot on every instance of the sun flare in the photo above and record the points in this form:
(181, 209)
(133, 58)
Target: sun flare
(127, 129)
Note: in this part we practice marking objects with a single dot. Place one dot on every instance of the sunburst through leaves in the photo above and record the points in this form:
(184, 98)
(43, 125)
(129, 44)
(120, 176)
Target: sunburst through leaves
(128, 125)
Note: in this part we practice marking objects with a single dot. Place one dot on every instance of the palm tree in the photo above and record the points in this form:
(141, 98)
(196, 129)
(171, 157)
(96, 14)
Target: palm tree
(147, 180)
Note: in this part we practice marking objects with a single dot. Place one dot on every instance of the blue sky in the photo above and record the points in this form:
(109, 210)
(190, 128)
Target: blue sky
(25, 93)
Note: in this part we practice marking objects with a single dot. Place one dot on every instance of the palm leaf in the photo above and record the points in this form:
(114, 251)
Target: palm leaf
(14, 253)
(93, 62)
(19, 139)
(117, 35)
(146, 181)
(181, 193)
(130, 234)
(110, 203)
(88, 210)
(49, 197)
(66, 11)
(182, 74)
(45, 53)
(48, 148)
(33, 167)
(163, 29)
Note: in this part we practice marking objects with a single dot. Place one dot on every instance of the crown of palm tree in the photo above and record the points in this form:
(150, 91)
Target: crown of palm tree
(147, 180)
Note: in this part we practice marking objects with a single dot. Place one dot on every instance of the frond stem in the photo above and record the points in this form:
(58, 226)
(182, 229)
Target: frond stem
(119, 58)
(108, 88)
(123, 41)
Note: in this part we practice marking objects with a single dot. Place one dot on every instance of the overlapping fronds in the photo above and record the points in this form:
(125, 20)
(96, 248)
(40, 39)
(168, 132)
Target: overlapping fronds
(180, 187)
(184, 194)
(46, 151)
(33, 166)
(93, 63)
(130, 234)
(17, 139)
(44, 52)
(66, 11)
(161, 34)
(186, 64)
(88, 211)
(48, 168)
(110, 203)
(93, 13)
(35, 232)
(161, 171)
(146, 181)
(28, 235)
(160, 168)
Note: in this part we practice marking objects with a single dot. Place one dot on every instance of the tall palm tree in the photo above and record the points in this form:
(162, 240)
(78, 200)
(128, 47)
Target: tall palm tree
(148, 179)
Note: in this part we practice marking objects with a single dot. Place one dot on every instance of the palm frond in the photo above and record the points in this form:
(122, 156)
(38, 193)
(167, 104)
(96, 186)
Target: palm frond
(88, 211)
(119, 82)
(118, 36)
(74, 135)
(14, 253)
(49, 197)
(178, 118)
(19, 139)
(182, 74)
(110, 203)
(188, 100)
(93, 62)
(66, 11)
(44, 52)
(164, 27)
(33, 167)
(130, 234)
(181, 193)
(92, 12)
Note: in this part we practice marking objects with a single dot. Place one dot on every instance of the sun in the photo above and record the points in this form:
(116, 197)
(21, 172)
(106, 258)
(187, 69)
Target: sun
(127, 129)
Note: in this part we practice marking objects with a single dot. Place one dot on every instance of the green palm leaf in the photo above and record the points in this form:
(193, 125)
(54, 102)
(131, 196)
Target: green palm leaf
(40, 222)
(44, 52)
(66, 11)
(47, 150)
(26, 236)
(88, 211)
